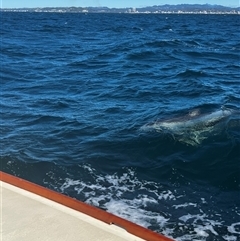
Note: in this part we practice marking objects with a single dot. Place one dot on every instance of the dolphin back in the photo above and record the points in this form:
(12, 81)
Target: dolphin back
(192, 128)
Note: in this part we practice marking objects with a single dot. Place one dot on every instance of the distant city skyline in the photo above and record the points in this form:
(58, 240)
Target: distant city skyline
(109, 3)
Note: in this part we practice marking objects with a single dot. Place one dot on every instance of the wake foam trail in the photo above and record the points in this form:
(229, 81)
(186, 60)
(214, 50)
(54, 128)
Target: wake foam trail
(174, 212)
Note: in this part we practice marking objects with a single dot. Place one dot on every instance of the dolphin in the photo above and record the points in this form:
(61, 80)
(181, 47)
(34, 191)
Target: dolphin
(193, 127)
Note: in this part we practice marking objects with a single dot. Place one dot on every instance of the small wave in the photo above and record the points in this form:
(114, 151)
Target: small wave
(55, 104)
(193, 43)
(43, 119)
(164, 43)
(142, 55)
(188, 73)
(193, 54)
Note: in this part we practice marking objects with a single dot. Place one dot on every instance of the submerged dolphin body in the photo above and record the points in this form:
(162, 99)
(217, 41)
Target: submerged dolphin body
(192, 128)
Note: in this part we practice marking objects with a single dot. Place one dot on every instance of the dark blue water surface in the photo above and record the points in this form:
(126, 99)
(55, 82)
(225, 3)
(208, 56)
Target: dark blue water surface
(135, 114)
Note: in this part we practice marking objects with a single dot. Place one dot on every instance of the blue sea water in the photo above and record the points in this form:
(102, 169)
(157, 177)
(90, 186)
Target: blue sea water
(79, 91)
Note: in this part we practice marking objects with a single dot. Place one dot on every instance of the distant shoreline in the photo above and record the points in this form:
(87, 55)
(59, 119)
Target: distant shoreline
(160, 9)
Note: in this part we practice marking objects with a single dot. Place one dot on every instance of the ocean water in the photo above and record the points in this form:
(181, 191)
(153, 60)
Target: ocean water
(135, 114)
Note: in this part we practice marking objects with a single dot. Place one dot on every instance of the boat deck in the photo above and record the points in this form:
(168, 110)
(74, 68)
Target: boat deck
(28, 216)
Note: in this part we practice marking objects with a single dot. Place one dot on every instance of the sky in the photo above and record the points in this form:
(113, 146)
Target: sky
(108, 3)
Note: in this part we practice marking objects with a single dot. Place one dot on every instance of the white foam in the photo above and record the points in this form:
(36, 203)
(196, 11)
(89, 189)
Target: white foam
(133, 213)
(207, 225)
(196, 217)
(68, 183)
(167, 195)
(185, 205)
(230, 238)
(140, 201)
(232, 228)
(201, 232)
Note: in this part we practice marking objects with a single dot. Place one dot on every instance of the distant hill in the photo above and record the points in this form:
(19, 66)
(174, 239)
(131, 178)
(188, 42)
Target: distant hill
(189, 8)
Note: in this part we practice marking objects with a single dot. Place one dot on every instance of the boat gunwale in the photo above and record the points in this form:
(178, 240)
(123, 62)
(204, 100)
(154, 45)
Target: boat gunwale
(82, 207)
